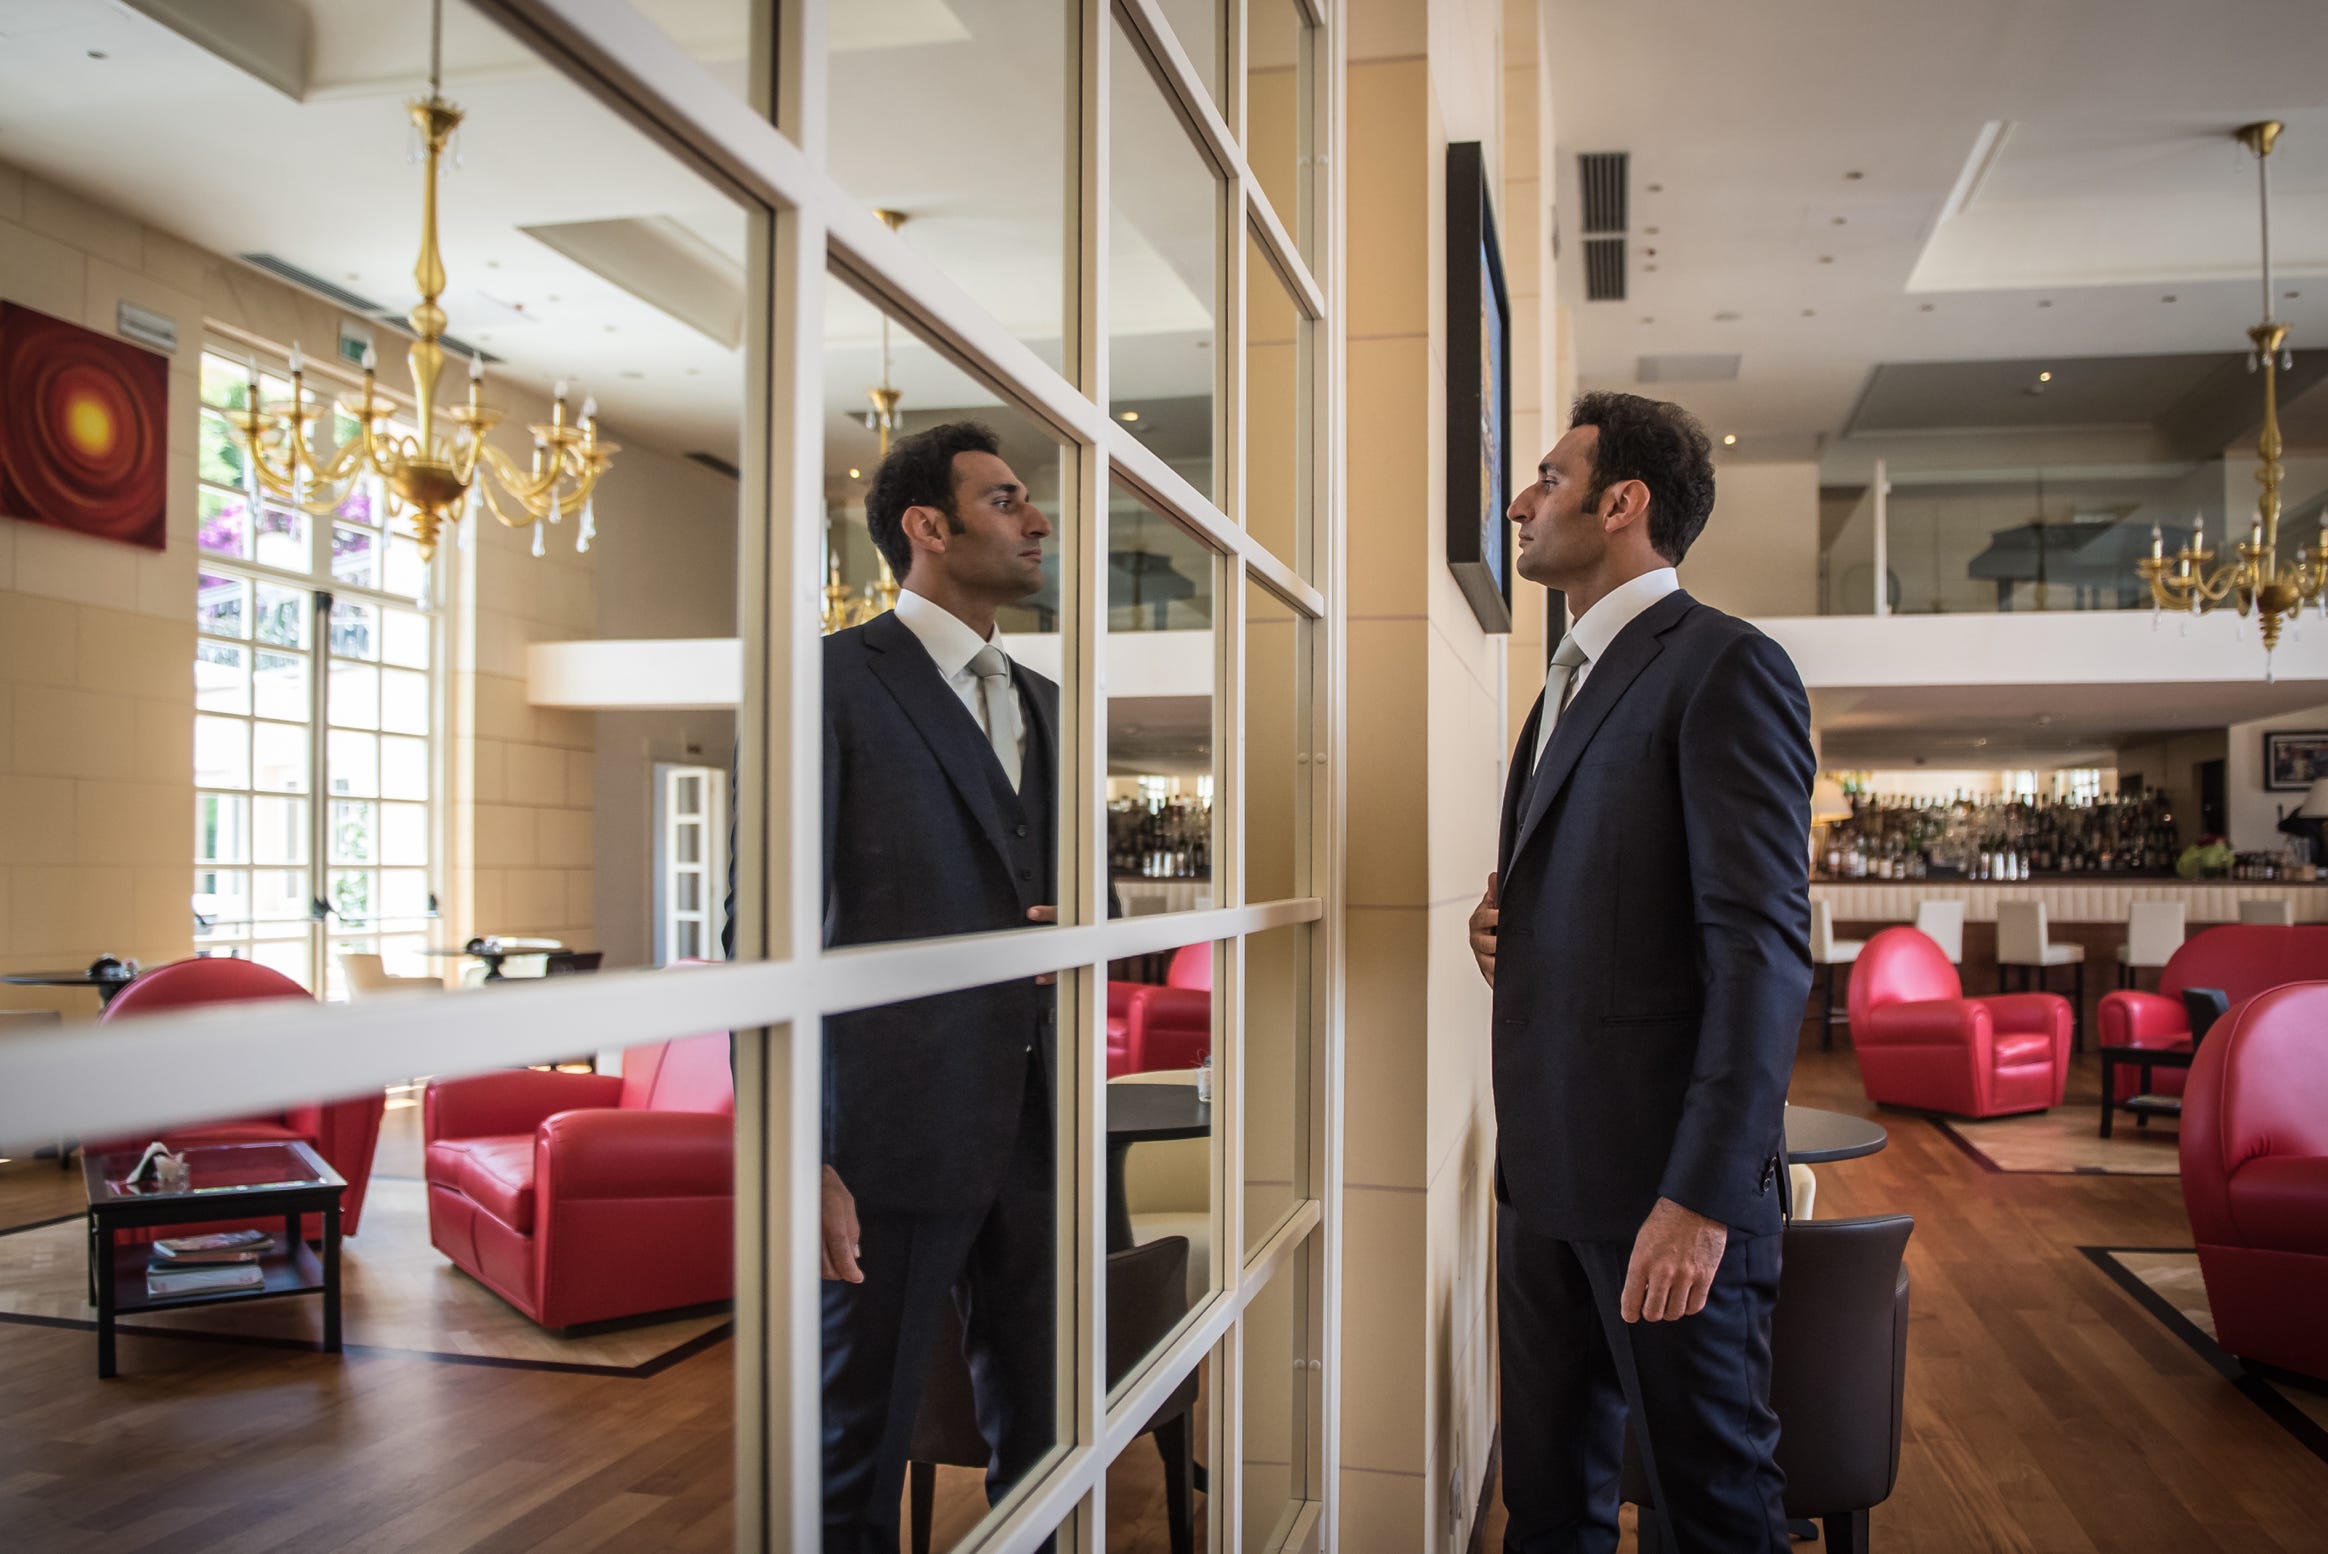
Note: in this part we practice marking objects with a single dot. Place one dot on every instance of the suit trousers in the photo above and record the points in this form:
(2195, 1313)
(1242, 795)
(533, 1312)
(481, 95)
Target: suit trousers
(1697, 1391)
(996, 1263)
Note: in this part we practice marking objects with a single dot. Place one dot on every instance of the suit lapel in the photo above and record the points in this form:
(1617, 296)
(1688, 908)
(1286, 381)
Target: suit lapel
(1636, 647)
(1516, 786)
(905, 669)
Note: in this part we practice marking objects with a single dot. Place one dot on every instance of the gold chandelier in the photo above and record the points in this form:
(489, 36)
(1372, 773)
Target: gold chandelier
(435, 477)
(843, 606)
(2258, 581)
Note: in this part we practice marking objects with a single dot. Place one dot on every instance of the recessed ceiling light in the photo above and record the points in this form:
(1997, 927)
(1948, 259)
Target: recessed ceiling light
(1657, 188)
(553, 297)
(492, 264)
(2045, 377)
(353, 276)
(1855, 175)
(1648, 267)
(2293, 295)
(856, 474)
(1649, 231)
(2169, 297)
(1924, 307)
(633, 373)
(1810, 312)
(2045, 302)
(1129, 415)
(1725, 318)
(1648, 320)
(1841, 220)
(610, 329)
(99, 54)
(695, 372)
(1729, 439)
(1826, 258)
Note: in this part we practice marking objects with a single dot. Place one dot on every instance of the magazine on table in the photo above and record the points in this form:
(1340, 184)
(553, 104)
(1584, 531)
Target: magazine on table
(219, 1241)
(205, 1281)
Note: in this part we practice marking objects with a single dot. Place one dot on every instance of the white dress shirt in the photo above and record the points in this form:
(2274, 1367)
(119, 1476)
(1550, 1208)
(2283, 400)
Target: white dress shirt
(1598, 627)
(951, 645)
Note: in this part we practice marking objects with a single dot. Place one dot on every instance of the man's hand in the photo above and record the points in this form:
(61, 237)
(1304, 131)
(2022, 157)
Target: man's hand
(1483, 920)
(1674, 1258)
(837, 1231)
(1044, 914)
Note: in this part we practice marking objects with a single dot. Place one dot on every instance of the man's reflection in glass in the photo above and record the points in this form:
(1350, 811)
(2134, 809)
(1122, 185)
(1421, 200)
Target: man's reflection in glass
(940, 761)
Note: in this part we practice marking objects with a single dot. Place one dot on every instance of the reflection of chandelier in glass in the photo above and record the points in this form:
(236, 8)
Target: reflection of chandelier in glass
(844, 607)
(2258, 581)
(431, 478)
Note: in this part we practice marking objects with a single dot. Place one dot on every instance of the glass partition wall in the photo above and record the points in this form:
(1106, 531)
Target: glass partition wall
(1161, 358)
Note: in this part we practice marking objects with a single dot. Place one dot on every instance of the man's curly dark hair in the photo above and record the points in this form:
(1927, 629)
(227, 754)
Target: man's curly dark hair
(1661, 445)
(919, 472)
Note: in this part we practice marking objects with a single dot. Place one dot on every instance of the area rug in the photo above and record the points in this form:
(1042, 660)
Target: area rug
(2165, 1282)
(2065, 1141)
(397, 1294)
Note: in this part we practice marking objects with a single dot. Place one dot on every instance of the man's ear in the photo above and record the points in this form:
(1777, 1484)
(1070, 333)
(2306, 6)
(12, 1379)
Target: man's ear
(1628, 505)
(926, 525)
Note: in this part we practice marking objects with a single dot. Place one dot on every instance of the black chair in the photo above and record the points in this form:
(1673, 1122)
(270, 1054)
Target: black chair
(1838, 1377)
(1147, 1295)
(570, 963)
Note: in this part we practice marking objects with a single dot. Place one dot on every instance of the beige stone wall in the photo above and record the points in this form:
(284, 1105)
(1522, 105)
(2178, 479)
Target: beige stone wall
(1759, 554)
(97, 647)
(1428, 736)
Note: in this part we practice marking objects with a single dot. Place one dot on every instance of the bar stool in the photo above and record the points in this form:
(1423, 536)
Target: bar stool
(1828, 952)
(2271, 911)
(1942, 922)
(2022, 941)
(2154, 931)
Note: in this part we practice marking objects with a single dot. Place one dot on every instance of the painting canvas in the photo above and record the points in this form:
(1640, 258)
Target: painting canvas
(84, 431)
(2294, 759)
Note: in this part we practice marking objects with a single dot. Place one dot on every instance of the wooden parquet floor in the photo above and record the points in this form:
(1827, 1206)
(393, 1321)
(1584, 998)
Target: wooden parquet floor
(2046, 1411)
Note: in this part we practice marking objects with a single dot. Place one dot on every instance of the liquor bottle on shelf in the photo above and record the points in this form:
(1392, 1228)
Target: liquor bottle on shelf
(2012, 838)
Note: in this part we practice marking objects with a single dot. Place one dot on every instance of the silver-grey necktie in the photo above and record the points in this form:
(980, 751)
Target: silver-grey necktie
(992, 666)
(1559, 690)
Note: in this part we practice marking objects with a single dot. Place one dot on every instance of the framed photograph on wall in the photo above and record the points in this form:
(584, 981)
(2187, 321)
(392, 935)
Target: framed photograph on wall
(1479, 394)
(2293, 759)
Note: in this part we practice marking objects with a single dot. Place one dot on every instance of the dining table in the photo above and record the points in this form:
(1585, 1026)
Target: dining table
(108, 985)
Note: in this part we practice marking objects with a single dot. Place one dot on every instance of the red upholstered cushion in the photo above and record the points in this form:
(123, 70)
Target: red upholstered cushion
(2243, 959)
(1900, 966)
(496, 1174)
(2017, 1050)
(2281, 1203)
(1191, 967)
(689, 1075)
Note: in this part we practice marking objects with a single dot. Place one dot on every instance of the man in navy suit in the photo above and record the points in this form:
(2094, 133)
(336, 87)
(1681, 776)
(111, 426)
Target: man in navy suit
(1646, 933)
(940, 761)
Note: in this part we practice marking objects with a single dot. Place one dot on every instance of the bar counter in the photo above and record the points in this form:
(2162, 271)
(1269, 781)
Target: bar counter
(2068, 898)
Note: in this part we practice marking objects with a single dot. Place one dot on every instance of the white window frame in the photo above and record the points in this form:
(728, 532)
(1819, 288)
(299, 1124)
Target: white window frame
(675, 922)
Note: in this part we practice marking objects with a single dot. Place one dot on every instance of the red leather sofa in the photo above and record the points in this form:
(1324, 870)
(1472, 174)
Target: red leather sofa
(344, 1133)
(1922, 1044)
(1150, 1027)
(2255, 1175)
(584, 1197)
(2243, 959)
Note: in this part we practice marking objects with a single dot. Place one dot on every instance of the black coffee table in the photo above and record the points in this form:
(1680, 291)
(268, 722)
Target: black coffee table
(2142, 1103)
(1145, 1114)
(226, 1182)
(107, 986)
(1815, 1136)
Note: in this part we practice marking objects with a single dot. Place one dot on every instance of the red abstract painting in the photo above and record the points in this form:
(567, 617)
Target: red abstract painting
(84, 432)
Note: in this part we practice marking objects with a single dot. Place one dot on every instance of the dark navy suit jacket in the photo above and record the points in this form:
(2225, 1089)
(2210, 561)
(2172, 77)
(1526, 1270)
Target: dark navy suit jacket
(1652, 953)
(923, 836)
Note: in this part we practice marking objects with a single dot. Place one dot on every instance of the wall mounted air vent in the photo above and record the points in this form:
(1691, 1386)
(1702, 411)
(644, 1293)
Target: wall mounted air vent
(1604, 269)
(1601, 175)
(365, 307)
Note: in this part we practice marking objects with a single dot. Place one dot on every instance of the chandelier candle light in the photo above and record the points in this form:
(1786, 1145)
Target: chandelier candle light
(2258, 581)
(436, 477)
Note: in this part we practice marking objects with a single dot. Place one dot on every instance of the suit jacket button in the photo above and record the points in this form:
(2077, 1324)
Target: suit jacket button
(1022, 830)
(1026, 874)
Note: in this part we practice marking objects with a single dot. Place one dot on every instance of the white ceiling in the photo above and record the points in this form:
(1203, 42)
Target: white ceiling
(2030, 725)
(2115, 186)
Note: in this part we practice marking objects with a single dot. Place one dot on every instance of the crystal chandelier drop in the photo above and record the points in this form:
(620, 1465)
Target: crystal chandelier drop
(437, 476)
(2257, 582)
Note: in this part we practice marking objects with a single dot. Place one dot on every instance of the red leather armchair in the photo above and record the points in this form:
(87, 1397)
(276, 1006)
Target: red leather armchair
(344, 1133)
(2255, 1175)
(584, 1197)
(1923, 1044)
(2243, 959)
(1171, 1026)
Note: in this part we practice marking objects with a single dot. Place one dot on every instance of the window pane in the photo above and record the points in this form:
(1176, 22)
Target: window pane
(354, 696)
(1163, 273)
(279, 687)
(225, 382)
(280, 831)
(689, 839)
(1197, 26)
(289, 956)
(403, 893)
(1160, 714)
(401, 572)
(1277, 766)
(403, 701)
(689, 889)
(223, 523)
(223, 895)
(1278, 1390)
(1277, 1012)
(404, 833)
(279, 757)
(222, 825)
(217, 457)
(354, 763)
(222, 604)
(280, 896)
(355, 556)
(222, 753)
(404, 638)
(351, 833)
(1277, 478)
(282, 617)
(351, 896)
(1277, 110)
(354, 629)
(282, 539)
(404, 768)
(989, 206)
(222, 678)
